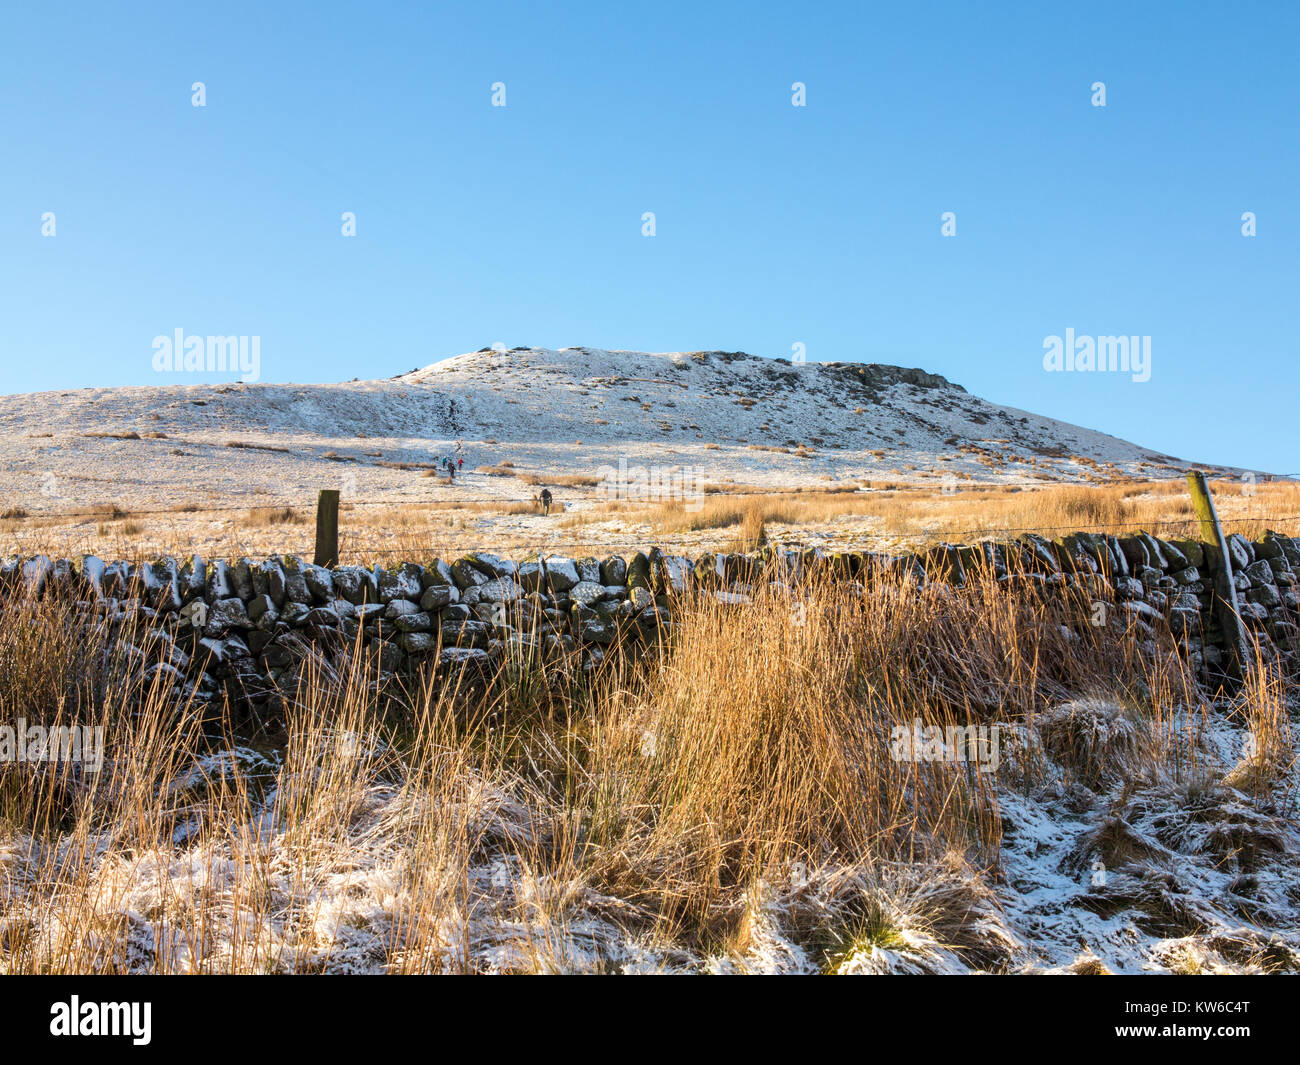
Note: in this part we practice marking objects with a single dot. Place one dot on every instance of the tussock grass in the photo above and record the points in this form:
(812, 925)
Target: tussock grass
(551, 818)
(1097, 740)
(262, 516)
(567, 480)
(1269, 751)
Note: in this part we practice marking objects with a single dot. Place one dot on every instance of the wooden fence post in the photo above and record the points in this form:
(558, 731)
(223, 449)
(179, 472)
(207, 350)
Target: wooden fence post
(1220, 563)
(327, 528)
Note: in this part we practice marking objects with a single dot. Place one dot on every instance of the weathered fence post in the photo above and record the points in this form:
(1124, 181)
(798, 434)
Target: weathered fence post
(1220, 563)
(327, 528)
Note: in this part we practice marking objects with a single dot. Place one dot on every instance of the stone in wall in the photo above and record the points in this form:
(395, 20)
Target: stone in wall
(238, 626)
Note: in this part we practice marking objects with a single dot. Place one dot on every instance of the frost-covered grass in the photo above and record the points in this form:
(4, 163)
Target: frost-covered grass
(502, 514)
(731, 804)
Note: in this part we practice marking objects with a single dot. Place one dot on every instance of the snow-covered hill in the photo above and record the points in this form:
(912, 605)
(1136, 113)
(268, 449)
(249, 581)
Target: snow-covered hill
(735, 417)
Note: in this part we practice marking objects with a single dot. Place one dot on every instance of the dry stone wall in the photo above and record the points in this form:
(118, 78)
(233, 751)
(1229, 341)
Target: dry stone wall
(240, 627)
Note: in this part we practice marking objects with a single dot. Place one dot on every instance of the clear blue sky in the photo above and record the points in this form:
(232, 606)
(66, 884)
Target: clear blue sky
(775, 225)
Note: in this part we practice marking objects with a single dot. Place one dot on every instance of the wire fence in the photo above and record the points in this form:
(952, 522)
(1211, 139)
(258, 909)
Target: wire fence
(551, 543)
(536, 540)
(113, 510)
(697, 538)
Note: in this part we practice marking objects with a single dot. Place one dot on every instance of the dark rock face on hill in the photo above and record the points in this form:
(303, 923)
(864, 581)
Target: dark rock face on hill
(878, 375)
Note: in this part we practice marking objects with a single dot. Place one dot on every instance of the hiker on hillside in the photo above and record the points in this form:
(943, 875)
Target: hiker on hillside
(460, 463)
(546, 501)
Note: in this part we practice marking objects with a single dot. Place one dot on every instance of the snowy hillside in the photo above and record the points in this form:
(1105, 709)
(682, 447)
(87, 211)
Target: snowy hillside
(736, 417)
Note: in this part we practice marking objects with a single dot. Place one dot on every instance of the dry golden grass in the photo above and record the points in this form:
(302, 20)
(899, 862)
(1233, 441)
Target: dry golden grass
(884, 516)
(753, 530)
(109, 512)
(259, 516)
(1271, 752)
(1161, 507)
(567, 480)
(459, 828)
(680, 516)
(955, 513)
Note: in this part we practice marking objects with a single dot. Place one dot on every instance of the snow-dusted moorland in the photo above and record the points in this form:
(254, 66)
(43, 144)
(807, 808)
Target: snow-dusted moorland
(729, 417)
